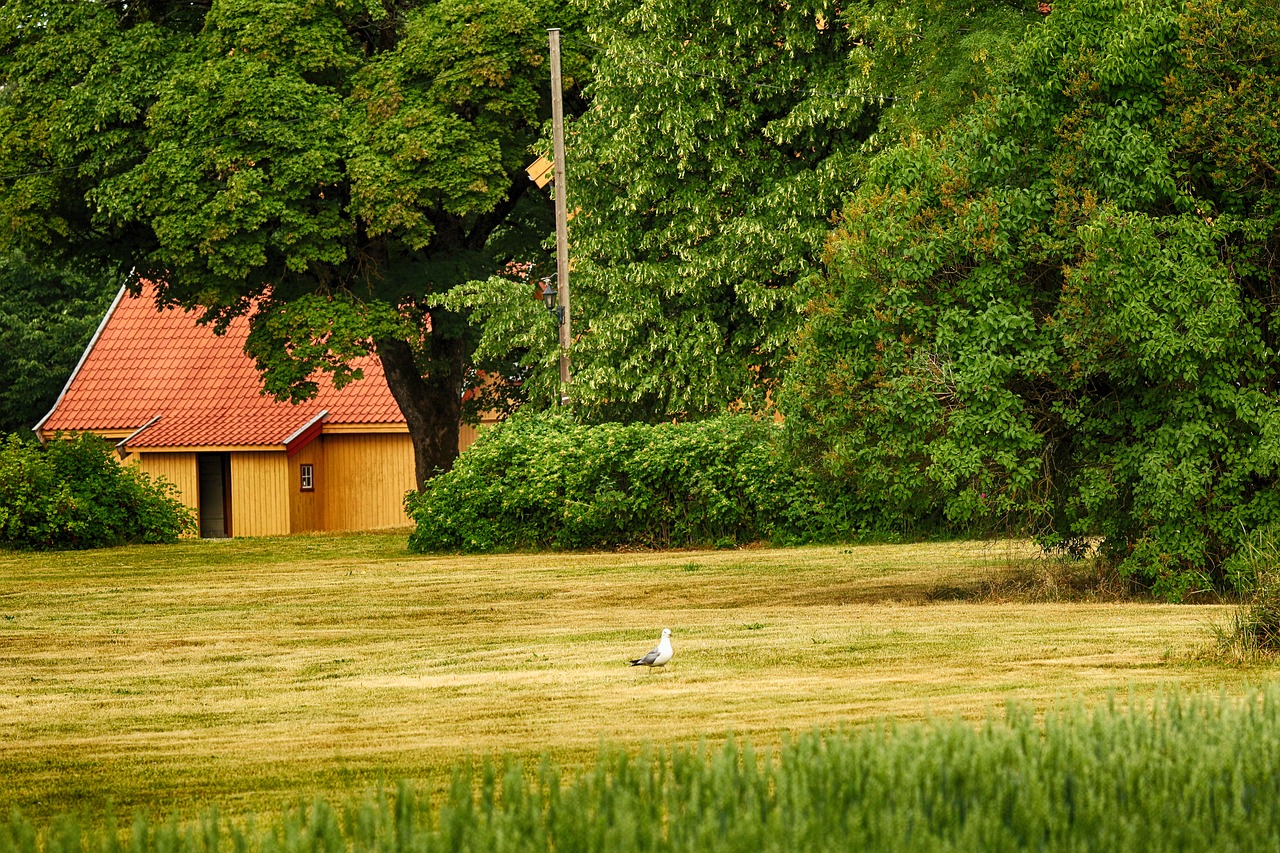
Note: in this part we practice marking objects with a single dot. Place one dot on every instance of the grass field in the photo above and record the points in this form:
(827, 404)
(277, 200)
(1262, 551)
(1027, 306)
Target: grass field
(254, 672)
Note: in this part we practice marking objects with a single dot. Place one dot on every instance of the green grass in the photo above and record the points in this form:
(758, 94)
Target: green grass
(254, 672)
(1170, 774)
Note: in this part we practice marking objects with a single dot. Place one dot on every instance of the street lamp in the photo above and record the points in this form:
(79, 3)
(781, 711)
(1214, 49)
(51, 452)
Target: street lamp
(549, 293)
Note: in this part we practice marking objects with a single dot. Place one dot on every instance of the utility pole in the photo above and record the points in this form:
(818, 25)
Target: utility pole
(562, 213)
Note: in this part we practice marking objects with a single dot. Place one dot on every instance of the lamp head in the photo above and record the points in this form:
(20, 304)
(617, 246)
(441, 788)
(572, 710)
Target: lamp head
(548, 294)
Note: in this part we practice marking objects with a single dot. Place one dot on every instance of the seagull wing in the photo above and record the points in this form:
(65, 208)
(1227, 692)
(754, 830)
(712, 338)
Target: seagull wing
(647, 660)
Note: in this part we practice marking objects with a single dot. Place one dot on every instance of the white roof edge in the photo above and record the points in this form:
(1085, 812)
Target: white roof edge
(121, 445)
(308, 425)
(83, 358)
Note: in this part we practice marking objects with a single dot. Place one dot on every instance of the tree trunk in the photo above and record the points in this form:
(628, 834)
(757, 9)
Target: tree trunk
(432, 404)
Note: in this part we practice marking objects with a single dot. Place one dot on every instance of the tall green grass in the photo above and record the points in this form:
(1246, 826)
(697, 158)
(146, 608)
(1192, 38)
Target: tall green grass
(1176, 774)
(1254, 630)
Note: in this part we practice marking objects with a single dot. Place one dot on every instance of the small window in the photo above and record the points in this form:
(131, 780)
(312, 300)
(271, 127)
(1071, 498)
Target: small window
(308, 478)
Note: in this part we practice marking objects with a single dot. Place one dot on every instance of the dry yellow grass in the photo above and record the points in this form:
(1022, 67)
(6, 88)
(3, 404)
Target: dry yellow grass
(252, 672)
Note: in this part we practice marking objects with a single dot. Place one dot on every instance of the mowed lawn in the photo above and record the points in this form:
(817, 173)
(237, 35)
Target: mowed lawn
(254, 673)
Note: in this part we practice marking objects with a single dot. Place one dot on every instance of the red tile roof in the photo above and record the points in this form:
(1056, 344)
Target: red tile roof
(205, 390)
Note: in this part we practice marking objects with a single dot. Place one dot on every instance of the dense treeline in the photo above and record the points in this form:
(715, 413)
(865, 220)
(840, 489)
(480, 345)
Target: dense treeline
(1059, 316)
(722, 137)
(1050, 316)
(1046, 306)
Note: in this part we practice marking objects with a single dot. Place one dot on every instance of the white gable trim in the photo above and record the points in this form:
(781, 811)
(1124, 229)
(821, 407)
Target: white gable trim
(84, 357)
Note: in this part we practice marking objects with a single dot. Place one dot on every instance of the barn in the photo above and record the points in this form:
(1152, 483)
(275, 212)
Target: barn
(184, 403)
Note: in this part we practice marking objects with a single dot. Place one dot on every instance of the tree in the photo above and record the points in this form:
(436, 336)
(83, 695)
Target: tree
(932, 58)
(1060, 315)
(46, 319)
(326, 166)
(720, 139)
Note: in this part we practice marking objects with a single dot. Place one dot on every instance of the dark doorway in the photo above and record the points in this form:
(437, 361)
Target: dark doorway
(215, 495)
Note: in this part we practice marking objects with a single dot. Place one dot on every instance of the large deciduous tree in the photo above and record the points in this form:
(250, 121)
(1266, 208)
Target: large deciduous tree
(720, 139)
(326, 166)
(1062, 313)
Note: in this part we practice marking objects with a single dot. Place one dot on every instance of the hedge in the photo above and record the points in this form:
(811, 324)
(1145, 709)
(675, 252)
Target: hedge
(546, 481)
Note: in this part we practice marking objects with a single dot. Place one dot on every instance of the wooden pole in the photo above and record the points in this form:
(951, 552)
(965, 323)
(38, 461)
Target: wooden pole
(562, 214)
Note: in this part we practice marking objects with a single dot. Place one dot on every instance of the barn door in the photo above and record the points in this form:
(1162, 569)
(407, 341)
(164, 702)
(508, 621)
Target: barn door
(215, 495)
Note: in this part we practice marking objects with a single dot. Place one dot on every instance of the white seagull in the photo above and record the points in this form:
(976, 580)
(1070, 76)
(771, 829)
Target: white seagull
(660, 654)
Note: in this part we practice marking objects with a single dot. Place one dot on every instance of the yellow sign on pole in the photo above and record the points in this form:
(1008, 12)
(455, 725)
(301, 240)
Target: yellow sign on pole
(541, 171)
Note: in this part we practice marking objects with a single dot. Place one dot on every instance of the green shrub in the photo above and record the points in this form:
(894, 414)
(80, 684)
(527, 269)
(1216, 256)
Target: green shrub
(73, 494)
(546, 481)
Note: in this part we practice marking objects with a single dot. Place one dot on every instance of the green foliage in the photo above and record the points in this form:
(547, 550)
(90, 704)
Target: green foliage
(327, 167)
(720, 139)
(73, 494)
(706, 171)
(1183, 774)
(46, 319)
(931, 58)
(1059, 316)
(546, 481)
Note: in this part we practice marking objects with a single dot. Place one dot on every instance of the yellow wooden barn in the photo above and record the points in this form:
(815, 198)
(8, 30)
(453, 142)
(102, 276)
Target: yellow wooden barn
(186, 404)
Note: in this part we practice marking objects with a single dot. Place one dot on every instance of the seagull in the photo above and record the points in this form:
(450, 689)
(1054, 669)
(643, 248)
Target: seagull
(660, 654)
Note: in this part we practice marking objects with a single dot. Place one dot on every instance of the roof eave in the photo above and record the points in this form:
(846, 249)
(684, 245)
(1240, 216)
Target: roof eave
(122, 444)
(305, 434)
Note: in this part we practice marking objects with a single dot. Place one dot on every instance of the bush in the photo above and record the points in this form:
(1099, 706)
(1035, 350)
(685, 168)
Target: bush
(545, 481)
(73, 494)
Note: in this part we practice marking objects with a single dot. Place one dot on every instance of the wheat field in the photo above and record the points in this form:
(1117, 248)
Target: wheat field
(255, 673)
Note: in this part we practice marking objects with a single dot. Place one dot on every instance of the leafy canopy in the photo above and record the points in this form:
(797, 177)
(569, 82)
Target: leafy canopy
(46, 319)
(323, 165)
(1061, 313)
(719, 140)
